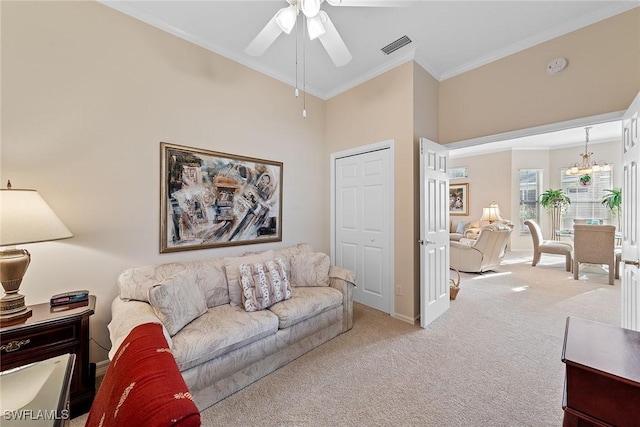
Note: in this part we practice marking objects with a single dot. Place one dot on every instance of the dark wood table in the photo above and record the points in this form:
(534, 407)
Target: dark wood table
(54, 331)
(602, 383)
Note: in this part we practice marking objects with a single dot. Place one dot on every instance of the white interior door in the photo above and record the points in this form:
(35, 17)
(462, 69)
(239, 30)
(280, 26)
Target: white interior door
(434, 231)
(630, 274)
(363, 222)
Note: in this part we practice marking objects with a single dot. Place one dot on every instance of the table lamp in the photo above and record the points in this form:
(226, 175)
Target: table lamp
(491, 214)
(24, 218)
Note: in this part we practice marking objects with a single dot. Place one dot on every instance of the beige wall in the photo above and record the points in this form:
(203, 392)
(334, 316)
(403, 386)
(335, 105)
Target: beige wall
(379, 110)
(489, 179)
(88, 94)
(516, 93)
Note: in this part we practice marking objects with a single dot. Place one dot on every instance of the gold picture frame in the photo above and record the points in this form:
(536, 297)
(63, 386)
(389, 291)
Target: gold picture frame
(459, 199)
(210, 199)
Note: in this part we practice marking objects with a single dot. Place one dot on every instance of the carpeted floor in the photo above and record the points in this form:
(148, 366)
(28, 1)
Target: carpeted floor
(493, 359)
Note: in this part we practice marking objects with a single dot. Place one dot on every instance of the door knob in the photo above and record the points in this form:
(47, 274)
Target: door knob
(426, 242)
(629, 262)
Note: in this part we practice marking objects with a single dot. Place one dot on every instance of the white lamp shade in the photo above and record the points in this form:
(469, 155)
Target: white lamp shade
(492, 213)
(26, 218)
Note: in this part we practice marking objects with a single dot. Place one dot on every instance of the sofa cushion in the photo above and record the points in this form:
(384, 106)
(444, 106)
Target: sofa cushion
(232, 270)
(134, 283)
(462, 226)
(287, 253)
(177, 301)
(220, 330)
(264, 284)
(305, 303)
(310, 269)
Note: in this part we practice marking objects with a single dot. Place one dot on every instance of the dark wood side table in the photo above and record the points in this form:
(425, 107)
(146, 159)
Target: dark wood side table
(602, 383)
(53, 331)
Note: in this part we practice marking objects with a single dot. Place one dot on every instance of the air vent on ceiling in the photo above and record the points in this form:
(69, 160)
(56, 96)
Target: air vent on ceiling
(393, 46)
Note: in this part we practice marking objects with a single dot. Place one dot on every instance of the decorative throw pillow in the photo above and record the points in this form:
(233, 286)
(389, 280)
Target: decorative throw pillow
(177, 301)
(310, 269)
(461, 227)
(264, 284)
(232, 269)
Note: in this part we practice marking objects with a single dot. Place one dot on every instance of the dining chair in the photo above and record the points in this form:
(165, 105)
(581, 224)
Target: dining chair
(541, 246)
(594, 244)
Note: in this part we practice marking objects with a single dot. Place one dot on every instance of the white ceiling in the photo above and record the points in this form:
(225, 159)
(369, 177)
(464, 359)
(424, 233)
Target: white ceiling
(448, 37)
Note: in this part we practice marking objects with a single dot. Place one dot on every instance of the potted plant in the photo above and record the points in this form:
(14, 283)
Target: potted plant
(556, 203)
(613, 201)
(585, 180)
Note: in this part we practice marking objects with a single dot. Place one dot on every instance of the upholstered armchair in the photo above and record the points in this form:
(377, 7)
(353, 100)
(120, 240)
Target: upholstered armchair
(483, 254)
(541, 246)
(594, 244)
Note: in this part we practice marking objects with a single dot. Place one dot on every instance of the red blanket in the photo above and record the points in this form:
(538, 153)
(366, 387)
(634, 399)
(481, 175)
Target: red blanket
(143, 386)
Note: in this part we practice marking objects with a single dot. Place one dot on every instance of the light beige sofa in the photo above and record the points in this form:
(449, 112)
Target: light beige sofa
(463, 230)
(218, 345)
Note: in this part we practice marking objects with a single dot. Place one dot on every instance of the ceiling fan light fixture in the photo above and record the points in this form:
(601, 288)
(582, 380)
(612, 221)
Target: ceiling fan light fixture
(286, 18)
(310, 8)
(315, 27)
(334, 2)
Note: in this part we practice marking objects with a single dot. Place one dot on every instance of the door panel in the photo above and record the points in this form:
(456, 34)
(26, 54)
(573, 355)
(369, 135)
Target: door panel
(363, 225)
(630, 273)
(434, 231)
(373, 258)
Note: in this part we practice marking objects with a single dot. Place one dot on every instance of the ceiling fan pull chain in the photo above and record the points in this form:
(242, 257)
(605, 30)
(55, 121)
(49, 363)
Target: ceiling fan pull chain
(304, 71)
(297, 93)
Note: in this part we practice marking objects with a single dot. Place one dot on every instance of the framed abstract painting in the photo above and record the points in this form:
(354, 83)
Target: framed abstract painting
(210, 199)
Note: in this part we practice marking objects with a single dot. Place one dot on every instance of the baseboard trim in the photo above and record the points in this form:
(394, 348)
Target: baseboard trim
(404, 318)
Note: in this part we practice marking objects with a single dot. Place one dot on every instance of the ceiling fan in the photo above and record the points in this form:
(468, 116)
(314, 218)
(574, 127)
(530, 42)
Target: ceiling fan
(318, 24)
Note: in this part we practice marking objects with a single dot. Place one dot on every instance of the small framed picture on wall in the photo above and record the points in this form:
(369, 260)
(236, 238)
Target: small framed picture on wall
(459, 199)
(459, 172)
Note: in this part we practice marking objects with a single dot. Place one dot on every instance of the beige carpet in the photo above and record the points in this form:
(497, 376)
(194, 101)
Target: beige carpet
(492, 360)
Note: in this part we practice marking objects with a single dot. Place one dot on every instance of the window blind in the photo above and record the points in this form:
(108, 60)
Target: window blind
(586, 200)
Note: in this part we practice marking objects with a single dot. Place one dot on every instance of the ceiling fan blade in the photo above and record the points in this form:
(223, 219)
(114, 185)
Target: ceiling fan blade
(333, 43)
(371, 3)
(265, 38)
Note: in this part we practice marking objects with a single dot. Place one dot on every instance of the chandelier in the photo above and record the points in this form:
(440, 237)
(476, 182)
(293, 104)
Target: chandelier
(587, 166)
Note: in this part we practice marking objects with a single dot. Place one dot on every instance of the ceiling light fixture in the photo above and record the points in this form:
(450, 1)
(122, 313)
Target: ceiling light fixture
(310, 8)
(315, 27)
(587, 166)
(286, 18)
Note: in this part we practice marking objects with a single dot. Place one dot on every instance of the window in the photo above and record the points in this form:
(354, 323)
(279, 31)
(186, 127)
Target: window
(586, 200)
(530, 181)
